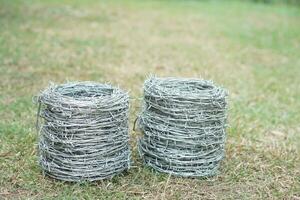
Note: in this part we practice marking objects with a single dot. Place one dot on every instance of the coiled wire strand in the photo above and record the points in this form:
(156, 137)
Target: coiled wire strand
(183, 123)
(84, 133)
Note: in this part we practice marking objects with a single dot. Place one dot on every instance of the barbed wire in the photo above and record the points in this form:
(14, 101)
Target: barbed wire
(84, 133)
(183, 123)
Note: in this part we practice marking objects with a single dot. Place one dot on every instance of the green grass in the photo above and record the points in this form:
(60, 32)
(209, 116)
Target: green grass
(252, 49)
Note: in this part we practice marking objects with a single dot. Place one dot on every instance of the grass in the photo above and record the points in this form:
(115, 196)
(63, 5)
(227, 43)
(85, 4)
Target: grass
(252, 49)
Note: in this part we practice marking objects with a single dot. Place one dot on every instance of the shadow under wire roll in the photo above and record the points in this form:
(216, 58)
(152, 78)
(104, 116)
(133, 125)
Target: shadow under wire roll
(84, 131)
(183, 122)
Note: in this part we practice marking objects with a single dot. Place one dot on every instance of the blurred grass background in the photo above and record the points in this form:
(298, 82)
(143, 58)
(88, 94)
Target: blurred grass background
(291, 2)
(251, 48)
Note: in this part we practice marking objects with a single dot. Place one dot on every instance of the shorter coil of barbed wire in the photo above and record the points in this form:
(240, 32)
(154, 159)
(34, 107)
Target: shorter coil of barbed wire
(84, 131)
(183, 123)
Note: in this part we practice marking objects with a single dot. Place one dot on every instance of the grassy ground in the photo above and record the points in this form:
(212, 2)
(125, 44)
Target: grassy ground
(251, 49)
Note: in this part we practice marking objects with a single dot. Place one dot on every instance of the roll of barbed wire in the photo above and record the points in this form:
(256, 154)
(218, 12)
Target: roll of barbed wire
(183, 123)
(83, 133)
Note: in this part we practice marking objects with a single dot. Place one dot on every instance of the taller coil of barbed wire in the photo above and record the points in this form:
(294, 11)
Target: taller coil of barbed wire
(183, 123)
(83, 131)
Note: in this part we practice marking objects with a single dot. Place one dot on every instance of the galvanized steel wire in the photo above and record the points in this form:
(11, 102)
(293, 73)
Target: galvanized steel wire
(83, 135)
(183, 123)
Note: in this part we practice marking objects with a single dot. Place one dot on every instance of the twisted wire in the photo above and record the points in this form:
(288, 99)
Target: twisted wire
(183, 123)
(84, 133)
